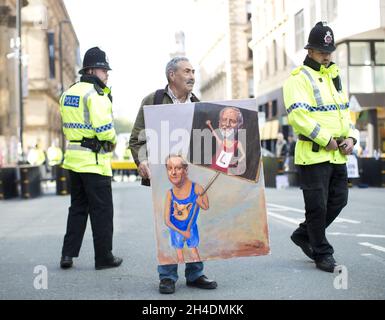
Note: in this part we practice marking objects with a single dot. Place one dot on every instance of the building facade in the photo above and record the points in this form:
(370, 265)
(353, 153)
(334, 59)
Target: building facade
(44, 22)
(225, 64)
(9, 115)
(280, 31)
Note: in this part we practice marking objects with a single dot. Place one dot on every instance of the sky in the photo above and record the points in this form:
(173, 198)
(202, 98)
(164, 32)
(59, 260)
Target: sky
(138, 37)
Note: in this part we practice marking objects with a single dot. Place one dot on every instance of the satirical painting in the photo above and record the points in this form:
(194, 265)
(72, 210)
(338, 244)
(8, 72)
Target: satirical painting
(207, 182)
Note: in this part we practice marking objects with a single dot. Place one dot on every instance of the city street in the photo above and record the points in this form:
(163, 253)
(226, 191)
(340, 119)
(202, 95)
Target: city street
(31, 234)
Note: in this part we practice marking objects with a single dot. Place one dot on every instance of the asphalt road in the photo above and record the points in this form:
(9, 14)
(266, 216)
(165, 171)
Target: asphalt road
(31, 234)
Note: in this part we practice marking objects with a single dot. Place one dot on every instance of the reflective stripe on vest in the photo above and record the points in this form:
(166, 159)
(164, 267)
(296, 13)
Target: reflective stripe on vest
(316, 91)
(87, 120)
(77, 147)
(88, 127)
(317, 109)
(315, 132)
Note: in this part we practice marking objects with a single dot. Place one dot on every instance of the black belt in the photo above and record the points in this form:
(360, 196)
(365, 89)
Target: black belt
(304, 138)
(90, 143)
(316, 146)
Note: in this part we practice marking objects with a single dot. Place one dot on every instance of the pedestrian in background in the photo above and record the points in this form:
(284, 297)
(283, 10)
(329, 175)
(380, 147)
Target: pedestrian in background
(318, 110)
(281, 146)
(181, 80)
(86, 110)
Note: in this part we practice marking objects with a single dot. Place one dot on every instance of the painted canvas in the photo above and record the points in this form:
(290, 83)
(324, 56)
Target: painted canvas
(207, 183)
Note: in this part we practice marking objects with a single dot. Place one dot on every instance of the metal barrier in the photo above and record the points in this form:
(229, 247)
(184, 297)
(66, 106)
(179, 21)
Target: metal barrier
(62, 180)
(30, 181)
(8, 183)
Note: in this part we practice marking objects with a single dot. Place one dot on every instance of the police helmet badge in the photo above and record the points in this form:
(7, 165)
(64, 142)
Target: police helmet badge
(328, 37)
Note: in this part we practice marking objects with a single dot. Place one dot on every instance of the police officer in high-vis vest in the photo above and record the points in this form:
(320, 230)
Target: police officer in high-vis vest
(86, 110)
(318, 110)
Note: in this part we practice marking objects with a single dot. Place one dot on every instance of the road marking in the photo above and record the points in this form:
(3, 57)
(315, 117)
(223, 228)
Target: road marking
(347, 220)
(360, 235)
(285, 208)
(298, 221)
(281, 217)
(372, 246)
(373, 257)
(277, 207)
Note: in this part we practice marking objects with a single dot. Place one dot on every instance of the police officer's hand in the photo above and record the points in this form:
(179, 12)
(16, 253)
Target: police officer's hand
(332, 146)
(346, 146)
(144, 170)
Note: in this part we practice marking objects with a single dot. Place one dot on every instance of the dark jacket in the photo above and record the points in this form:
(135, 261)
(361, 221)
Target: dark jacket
(135, 143)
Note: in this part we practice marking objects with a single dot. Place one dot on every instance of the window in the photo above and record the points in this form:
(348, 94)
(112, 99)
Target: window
(379, 69)
(379, 78)
(360, 53)
(299, 31)
(379, 52)
(284, 50)
(248, 9)
(267, 63)
(51, 55)
(366, 66)
(274, 108)
(329, 9)
(275, 52)
(249, 51)
(343, 62)
(251, 86)
(313, 12)
(332, 9)
(361, 79)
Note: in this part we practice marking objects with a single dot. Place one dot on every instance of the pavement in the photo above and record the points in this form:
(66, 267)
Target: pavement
(31, 235)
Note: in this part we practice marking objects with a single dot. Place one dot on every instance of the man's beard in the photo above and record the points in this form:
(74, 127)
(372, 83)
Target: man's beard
(227, 133)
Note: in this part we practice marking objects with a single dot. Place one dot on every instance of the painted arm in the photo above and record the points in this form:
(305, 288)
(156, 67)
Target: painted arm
(167, 220)
(202, 201)
(219, 141)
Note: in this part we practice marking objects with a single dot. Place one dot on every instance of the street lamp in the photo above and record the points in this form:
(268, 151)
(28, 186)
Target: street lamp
(61, 65)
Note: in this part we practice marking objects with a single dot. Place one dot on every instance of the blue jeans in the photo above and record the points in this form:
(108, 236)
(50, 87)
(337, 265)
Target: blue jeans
(170, 271)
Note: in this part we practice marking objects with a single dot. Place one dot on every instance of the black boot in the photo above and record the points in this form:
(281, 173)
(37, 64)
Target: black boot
(110, 263)
(66, 262)
(167, 286)
(327, 264)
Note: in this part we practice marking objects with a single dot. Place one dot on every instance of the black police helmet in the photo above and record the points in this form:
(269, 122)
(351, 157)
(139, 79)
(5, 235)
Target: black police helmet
(321, 38)
(95, 58)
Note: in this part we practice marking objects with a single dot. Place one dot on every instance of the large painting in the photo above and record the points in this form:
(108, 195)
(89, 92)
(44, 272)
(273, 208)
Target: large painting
(207, 183)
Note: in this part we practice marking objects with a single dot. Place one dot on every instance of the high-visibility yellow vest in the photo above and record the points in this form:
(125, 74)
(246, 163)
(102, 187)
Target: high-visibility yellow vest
(36, 157)
(86, 112)
(54, 156)
(318, 111)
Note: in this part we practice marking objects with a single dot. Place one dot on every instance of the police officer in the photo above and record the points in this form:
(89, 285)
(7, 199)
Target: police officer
(86, 110)
(318, 110)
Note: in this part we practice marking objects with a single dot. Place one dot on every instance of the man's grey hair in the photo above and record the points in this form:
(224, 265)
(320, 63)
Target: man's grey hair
(184, 162)
(239, 117)
(172, 66)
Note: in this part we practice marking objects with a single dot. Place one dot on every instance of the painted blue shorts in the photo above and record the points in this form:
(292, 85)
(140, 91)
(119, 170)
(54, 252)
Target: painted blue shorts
(177, 239)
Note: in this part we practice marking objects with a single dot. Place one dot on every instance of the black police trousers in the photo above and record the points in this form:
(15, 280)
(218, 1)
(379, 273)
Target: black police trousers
(325, 191)
(90, 194)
